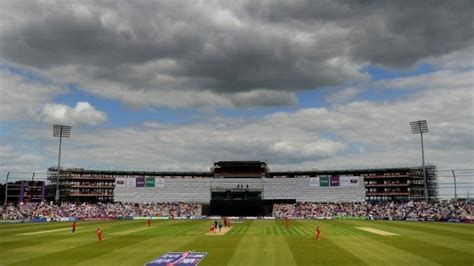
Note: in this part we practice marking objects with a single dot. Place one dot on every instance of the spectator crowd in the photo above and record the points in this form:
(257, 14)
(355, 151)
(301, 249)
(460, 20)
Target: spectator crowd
(28, 211)
(437, 211)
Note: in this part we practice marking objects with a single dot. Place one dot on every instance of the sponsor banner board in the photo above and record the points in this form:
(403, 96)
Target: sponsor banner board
(324, 218)
(98, 218)
(349, 181)
(120, 182)
(140, 181)
(251, 218)
(314, 182)
(160, 182)
(341, 217)
(324, 181)
(334, 181)
(64, 219)
(151, 218)
(130, 182)
(150, 181)
(269, 218)
(178, 259)
(10, 221)
(215, 217)
(39, 220)
(197, 217)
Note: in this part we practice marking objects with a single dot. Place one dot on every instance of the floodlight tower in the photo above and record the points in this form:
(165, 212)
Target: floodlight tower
(60, 131)
(420, 127)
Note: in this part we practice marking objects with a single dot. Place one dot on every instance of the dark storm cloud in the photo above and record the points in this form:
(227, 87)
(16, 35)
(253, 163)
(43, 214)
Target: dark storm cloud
(390, 33)
(230, 48)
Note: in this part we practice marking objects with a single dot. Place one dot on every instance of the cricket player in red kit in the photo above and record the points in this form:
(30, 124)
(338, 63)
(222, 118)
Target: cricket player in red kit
(73, 227)
(211, 230)
(149, 222)
(318, 233)
(287, 222)
(99, 234)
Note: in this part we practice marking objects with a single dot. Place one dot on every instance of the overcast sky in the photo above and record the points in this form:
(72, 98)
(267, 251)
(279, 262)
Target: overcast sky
(170, 85)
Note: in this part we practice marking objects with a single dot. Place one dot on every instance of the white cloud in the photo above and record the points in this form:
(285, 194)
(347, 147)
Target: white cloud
(14, 160)
(444, 79)
(82, 113)
(461, 59)
(21, 99)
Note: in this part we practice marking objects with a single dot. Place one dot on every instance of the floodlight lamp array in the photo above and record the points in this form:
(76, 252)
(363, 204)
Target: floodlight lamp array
(61, 131)
(419, 126)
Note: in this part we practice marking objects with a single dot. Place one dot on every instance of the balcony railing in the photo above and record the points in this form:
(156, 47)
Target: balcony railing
(90, 195)
(91, 186)
(392, 193)
(386, 176)
(387, 185)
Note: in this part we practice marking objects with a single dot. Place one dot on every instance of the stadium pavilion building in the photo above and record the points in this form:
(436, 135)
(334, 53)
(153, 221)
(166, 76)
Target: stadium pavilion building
(245, 187)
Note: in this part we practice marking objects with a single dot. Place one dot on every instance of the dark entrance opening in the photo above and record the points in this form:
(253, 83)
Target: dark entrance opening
(237, 207)
(236, 202)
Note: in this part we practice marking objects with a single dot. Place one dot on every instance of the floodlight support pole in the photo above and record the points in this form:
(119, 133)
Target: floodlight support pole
(455, 187)
(6, 190)
(423, 165)
(59, 164)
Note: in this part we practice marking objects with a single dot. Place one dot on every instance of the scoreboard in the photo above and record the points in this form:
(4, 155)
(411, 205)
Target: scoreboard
(32, 191)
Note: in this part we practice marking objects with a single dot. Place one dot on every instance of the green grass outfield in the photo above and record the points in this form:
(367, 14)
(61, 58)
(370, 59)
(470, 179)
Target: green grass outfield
(250, 242)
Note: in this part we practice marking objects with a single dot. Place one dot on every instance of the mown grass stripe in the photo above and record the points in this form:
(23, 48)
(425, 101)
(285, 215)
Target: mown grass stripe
(246, 228)
(275, 231)
(238, 230)
(179, 230)
(298, 230)
(231, 232)
(280, 231)
(293, 231)
(349, 232)
(165, 231)
(168, 231)
(338, 231)
(268, 231)
(234, 230)
(283, 231)
(241, 229)
(307, 230)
